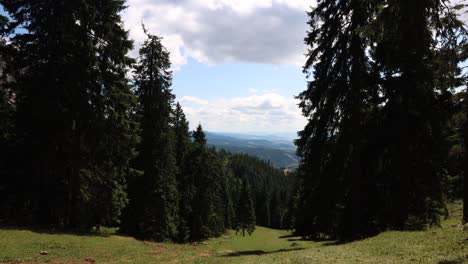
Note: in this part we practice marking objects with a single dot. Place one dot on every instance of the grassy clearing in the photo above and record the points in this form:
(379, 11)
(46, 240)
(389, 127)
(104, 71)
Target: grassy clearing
(445, 245)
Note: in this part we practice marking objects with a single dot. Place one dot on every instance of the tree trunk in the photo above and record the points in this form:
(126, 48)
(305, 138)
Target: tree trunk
(357, 77)
(465, 174)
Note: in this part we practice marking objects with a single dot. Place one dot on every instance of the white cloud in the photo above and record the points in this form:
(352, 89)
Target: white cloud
(220, 31)
(268, 112)
(186, 100)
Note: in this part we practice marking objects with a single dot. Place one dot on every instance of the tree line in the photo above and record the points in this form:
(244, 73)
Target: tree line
(84, 145)
(385, 143)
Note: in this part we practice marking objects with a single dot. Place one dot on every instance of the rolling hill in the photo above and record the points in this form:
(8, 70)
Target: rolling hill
(280, 151)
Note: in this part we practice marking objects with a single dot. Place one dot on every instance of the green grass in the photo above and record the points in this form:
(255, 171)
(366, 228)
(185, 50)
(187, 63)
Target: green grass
(445, 245)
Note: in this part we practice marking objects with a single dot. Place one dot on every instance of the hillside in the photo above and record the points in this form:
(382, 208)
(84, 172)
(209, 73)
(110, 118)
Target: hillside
(280, 151)
(444, 245)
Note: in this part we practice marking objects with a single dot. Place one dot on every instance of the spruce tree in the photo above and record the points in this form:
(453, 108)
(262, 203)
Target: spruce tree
(114, 127)
(7, 135)
(73, 103)
(465, 148)
(154, 197)
(412, 117)
(205, 184)
(335, 102)
(185, 186)
(449, 56)
(245, 210)
(270, 187)
(380, 97)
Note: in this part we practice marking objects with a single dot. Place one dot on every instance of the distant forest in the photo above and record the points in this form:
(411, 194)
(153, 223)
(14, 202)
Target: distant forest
(280, 152)
(91, 137)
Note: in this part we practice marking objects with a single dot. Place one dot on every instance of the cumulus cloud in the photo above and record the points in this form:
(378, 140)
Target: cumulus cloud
(189, 100)
(219, 31)
(268, 112)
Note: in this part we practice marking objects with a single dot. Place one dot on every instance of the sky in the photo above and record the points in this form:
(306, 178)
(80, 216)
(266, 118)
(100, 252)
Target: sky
(237, 64)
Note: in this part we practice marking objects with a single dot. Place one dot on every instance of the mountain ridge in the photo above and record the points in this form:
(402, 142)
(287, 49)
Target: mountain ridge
(280, 151)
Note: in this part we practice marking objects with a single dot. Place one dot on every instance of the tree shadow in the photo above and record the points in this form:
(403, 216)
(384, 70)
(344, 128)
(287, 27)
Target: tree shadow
(454, 261)
(295, 238)
(298, 239)
(287, 236)
(335, 243)
(105, 232)
(259, 252)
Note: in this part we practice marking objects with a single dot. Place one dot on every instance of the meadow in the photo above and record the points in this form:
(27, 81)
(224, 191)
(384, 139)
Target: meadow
(445, 245)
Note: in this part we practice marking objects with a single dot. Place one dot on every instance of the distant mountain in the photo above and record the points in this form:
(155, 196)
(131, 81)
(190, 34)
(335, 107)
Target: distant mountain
(270, 137)
(280, 151)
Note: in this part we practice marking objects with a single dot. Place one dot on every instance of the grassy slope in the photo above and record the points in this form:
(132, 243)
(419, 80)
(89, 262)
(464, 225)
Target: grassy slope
(444, 245)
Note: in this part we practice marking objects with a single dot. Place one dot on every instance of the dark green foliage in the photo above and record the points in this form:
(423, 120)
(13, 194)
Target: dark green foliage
(7, 130)
(245, 210)
(206, 186)
(384, 147)
(72, 112)
(282, 154)
(271, 188)
(336, 102)
(182, 136)
(182, 148)
(374, 148)
(413, 140)
(453, 174)
(153, 211)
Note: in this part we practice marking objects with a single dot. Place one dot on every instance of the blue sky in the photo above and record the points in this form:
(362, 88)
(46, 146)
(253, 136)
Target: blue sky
(236, 80)
(240, 97)
(237, 64)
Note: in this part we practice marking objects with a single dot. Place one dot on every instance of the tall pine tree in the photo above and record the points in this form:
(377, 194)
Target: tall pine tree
(205, 184)
(245, 221)
(73, 103)
(154, 197)
(335, 103)
(185, 185)
(412, 117)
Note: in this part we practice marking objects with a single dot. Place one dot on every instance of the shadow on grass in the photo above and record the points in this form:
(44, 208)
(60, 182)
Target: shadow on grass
(330, 243)
(287, 236)
(102, 232)
(259, 252)
(294, 238)
(454, 261)
(326, 241)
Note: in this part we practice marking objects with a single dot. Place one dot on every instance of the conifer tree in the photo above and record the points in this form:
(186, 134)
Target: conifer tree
(465, 175)
(185, 186)
(7, 136)
(266, 183)
(379, 98)
(335, 102)
(245, 210)
(154, 204)
(412, 116)
(206, 186)
(73, 103)
(182, 135)
(227, 192)
(112, 145)
(6, 92)
(202, 204)
(449, 55)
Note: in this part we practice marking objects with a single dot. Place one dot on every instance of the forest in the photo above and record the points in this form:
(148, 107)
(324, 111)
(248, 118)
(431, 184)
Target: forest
(91, 137)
